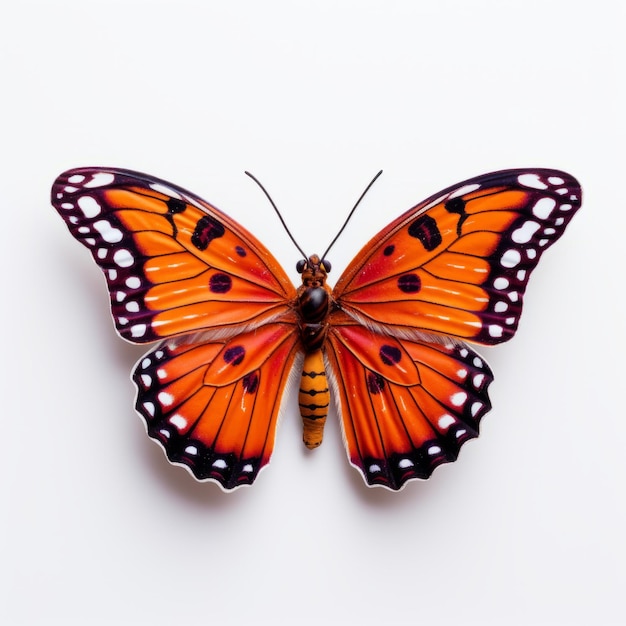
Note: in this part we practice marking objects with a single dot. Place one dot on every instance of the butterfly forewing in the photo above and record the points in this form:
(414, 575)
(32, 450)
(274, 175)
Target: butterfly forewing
(458, 263)
(174, 264)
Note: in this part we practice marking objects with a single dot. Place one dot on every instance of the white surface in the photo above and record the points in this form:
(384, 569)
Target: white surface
(312, 97)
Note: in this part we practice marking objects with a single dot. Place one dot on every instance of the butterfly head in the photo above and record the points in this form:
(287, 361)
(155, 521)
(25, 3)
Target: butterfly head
(313, 270)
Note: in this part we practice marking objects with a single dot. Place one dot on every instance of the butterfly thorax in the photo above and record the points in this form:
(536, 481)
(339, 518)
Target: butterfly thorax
(313, 302)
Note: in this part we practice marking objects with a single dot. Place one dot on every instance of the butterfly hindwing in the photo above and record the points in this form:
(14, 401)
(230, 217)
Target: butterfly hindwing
(406, 406)
(458, 263)
(174, 264)
(214, 405)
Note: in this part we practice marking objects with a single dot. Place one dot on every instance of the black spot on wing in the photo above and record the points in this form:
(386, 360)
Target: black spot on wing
(235, 355)
(375, 383)
(426, 231)
(457, 205)
(220, 283)
(251, 382)
(390, 355)
(207, 229)
(409, 283)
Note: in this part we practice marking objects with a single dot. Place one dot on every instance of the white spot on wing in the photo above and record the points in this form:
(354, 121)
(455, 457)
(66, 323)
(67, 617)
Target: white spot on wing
(123, 258)
(88, 206)
(458, 399)
(510, 258)
(107, 232)
(178, 420)
(525, 232)
(100, 179)
(543, 207)
(495, 330)
(165, 398)
(445, 421)
(138, 330)
(531, 180)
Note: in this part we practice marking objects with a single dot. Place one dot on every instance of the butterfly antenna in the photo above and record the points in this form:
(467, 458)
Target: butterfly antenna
(332, 243)
(280, 217)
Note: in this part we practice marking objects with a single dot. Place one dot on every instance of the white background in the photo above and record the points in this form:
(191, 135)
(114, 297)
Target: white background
(312, 97)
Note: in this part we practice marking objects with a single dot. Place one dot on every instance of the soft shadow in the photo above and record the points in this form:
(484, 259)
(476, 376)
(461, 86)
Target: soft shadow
(180, 484)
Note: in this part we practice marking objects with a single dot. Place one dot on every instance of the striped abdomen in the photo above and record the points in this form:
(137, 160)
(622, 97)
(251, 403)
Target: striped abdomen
(314, 399)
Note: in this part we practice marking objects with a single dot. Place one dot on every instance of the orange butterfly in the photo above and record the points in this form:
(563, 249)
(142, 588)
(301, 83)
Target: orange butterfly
(390, 335)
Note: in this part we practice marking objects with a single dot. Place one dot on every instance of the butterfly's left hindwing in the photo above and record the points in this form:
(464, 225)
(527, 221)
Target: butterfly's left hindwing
(174, 264)
(214, 405)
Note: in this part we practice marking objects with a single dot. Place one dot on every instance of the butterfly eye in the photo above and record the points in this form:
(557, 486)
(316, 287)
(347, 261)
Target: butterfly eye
(326, 265)
(300, 265)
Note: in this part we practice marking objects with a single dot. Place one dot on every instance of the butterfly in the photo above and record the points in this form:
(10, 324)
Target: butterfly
(389, 339)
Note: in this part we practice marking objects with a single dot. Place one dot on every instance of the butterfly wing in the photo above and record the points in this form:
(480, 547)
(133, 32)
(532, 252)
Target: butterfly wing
(174, 264)
(406, 406)
(213, 405)
(458, 263)
(180, 269)
(454, 267)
